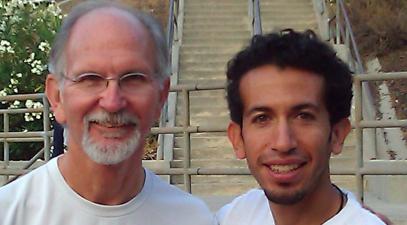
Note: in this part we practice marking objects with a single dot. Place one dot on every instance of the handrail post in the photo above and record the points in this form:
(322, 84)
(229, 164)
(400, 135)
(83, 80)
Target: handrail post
(338, 19)
(6, 147)
(164, 112)
(46, 124)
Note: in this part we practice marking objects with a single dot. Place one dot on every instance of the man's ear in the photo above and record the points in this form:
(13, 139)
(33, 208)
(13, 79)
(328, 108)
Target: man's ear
(235, 137)
(163, 95)
(54, 97)
(340, 131)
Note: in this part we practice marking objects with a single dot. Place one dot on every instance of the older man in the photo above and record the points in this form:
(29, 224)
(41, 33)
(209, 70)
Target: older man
(289, 97)
(107, 85)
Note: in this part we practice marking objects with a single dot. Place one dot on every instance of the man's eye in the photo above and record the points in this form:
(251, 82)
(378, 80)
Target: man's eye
(134, 79)
(260, 118)
(88, 78)
(305, 116)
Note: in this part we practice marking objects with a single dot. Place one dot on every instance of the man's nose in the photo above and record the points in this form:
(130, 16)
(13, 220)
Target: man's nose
(112, 98)
(283, 137)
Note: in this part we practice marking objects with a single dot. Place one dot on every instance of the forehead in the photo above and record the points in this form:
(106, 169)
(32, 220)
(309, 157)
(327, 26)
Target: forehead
(109, 34)
(272, 87)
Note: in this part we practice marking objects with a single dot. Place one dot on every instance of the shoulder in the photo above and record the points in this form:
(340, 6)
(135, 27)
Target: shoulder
(251, 206)
(168, 196)
(23, 192)
(353, 213)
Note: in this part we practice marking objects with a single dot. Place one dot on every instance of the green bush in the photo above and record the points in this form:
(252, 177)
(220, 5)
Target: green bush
(27, 27)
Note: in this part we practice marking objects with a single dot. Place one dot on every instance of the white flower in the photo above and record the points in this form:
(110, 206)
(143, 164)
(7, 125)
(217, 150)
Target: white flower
(19, 75)
(5, 46)
(37, 105)
(44, 46)
(29, 103)
(28, 118)
(3, 93)
(13, 81)
(31, 58)
(16, 102)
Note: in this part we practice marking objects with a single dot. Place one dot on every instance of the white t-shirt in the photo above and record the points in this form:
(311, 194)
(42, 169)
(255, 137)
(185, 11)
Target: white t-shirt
(42, 197)
(252, 208)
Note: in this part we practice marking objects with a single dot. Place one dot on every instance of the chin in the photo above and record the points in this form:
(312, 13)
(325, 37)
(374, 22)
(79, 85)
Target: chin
(285, 198)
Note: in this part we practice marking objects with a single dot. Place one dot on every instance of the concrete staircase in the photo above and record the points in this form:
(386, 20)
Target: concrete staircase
(212, 32)
(280, 14)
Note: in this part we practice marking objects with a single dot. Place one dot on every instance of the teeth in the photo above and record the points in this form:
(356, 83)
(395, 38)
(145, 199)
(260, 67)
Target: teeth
(109, 125)
(284, 168)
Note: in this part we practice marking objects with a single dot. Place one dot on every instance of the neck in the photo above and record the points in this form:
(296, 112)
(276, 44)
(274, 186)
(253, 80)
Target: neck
(102, 184)
(316, 208)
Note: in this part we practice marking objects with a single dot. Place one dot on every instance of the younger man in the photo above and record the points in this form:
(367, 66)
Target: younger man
(289, 97)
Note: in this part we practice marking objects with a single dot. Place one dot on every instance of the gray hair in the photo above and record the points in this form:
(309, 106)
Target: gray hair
(57, 62)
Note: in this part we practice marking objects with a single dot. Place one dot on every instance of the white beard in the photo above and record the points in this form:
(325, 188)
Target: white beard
(115, 152)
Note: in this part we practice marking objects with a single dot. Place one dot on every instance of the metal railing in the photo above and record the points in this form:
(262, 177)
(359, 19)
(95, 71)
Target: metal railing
(340, 33)
(254, 15)
(364, 167)
(172, 35)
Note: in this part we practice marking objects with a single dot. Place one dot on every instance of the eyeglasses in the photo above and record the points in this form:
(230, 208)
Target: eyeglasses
(95, 83)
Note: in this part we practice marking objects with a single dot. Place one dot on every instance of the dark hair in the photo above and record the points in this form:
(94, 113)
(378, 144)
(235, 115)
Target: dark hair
(298, 50)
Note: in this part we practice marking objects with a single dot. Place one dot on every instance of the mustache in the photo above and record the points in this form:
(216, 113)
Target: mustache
(117, 118)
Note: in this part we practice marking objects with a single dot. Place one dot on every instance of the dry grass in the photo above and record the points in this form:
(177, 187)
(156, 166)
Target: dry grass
(381, 31)
(379, 23)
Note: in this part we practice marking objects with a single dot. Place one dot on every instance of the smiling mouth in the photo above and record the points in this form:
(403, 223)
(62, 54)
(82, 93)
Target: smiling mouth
(112, 125)
(284, 168)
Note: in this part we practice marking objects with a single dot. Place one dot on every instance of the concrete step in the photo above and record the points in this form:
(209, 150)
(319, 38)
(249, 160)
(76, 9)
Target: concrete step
(276, 27)
(287, 17)
(236, 24)
(203, 109)
(188, 24)
(237, 10)
(205, 64)
(203, 82)
(205, 58)
(213, 32)
(206, 112)
(216, 18)
(215, 4)
(199, 142)
(208, 93)
(204, 74)
(222, 121)
(207, 153)
(205, 100)
(215, 38)
(221, 49)
(290, 23)
(287, 4)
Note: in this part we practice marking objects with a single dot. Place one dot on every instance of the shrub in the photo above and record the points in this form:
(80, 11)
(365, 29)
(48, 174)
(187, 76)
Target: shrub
(379, 23)
(27, 27)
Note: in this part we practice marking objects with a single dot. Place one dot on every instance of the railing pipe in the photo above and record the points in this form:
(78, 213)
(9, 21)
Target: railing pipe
(257, 17)
(171, 22)
(352, 38)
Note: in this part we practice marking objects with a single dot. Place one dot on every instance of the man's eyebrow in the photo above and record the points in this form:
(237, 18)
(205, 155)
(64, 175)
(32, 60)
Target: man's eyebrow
(259, 109)
(311, 106)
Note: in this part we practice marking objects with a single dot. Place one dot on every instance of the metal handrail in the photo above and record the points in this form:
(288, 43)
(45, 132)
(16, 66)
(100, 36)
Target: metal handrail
(254, 16)
(342, 33)
(369, 167)
(172, 25)
(256, 23)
